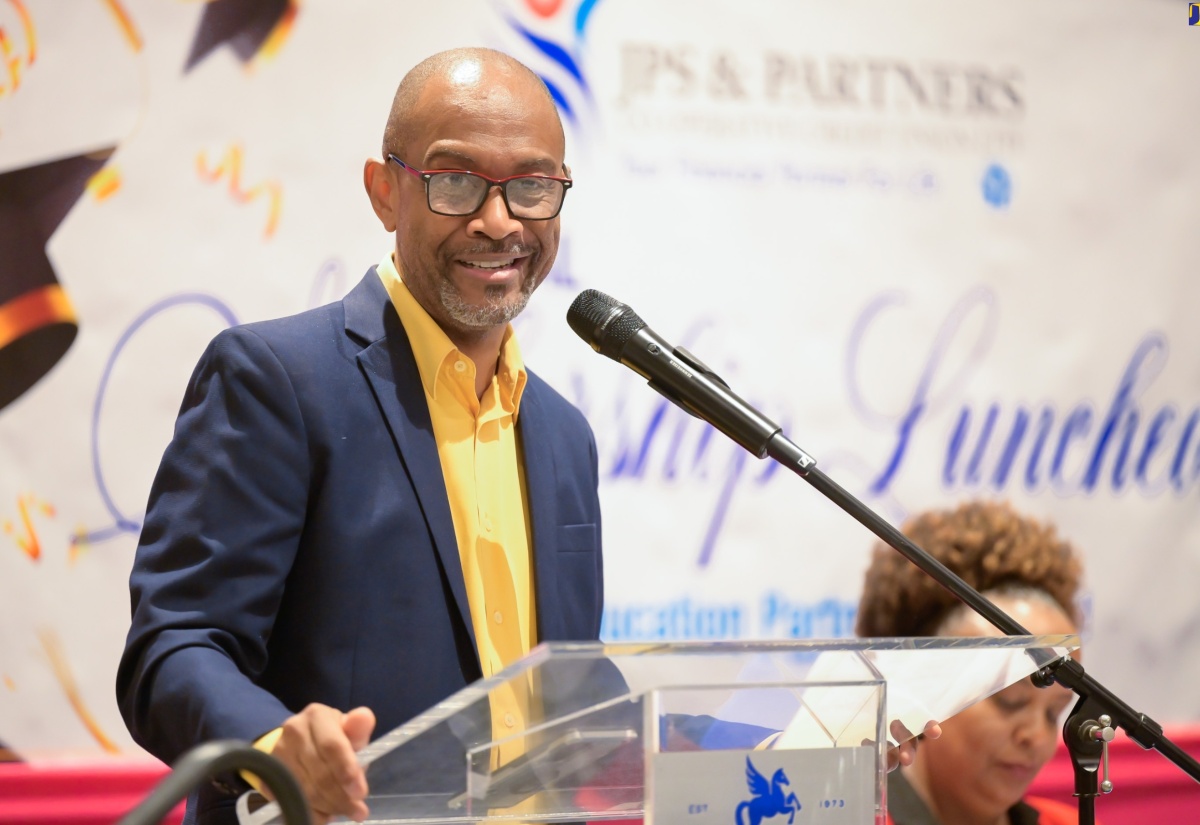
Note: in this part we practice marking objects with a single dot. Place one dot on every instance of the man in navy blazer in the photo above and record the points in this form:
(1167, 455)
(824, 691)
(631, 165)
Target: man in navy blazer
(298, 567)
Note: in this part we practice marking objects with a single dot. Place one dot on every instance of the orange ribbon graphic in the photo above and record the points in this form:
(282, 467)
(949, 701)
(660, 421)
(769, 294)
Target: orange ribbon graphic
(66, 680)
(14, 62)
(28, 542)
(231, 166)
(132, 36)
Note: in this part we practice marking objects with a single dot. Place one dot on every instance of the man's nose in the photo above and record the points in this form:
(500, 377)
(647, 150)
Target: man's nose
(493, 218)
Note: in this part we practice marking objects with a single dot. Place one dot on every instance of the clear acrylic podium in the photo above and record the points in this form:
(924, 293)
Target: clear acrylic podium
(715, 732)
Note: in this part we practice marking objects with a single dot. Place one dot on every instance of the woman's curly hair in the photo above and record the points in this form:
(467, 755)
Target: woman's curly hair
(988, 545)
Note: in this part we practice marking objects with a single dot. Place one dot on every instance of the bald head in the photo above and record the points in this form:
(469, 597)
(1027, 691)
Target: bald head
(455, 68)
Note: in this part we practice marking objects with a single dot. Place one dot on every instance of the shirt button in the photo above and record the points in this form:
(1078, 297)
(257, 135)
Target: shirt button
(509, 720)
(499, 617)
(460, 366)
(487, 524)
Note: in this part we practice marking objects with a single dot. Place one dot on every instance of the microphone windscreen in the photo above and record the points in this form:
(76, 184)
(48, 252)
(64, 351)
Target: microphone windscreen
(603, 321)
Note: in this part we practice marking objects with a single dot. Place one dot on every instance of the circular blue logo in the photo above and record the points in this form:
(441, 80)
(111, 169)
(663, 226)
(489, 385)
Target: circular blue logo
(997, 186)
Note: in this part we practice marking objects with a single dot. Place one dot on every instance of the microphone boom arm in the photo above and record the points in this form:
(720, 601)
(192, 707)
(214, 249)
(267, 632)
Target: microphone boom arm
(614, 330)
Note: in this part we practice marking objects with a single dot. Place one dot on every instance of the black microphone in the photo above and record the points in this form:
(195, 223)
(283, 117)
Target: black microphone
(614, 330)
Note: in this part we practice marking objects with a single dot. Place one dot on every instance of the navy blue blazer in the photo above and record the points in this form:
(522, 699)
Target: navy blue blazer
(298, 545)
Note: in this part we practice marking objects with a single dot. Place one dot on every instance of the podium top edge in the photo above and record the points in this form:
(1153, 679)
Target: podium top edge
(609, 649)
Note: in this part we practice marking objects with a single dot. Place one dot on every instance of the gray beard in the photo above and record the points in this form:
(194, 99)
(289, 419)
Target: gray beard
(497, 311)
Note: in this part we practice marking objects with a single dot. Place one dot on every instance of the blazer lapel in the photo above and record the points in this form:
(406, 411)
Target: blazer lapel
(387, 362)
(543, 511)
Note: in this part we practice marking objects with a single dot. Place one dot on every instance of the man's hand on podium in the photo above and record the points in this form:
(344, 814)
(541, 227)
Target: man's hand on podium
(318, 746)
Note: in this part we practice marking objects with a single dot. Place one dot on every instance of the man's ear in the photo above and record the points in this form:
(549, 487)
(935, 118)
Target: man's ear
(566, 171)
(380, 188)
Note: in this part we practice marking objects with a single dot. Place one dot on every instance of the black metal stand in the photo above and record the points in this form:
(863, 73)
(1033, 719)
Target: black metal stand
(1087, 733)
(206, 761)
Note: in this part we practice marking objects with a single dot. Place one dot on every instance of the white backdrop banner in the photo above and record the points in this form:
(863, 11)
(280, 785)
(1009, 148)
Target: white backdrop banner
(949, 247)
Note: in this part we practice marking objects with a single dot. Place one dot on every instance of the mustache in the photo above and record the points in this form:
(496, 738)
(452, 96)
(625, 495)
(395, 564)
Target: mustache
(515, 249)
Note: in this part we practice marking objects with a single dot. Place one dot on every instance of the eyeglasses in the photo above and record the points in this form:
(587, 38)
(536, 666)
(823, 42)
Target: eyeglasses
(457, 193)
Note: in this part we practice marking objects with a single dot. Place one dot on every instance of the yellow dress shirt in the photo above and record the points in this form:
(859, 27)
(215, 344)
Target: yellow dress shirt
(485, 481)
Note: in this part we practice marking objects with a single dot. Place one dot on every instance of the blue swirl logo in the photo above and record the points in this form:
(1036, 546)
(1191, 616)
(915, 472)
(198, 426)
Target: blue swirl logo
(559, 64)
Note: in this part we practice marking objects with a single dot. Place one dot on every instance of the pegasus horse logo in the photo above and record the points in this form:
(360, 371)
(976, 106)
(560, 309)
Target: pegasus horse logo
(770, 798)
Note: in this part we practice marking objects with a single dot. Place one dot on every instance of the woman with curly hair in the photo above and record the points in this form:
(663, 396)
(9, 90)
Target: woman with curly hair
(977, 772)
